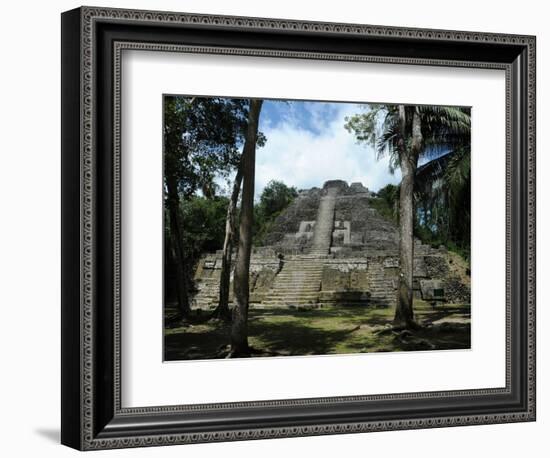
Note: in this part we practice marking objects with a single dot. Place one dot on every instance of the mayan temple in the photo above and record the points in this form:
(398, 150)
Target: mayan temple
(331, 247)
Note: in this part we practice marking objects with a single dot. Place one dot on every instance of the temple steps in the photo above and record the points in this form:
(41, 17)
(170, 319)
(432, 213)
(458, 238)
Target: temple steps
(310, 298)
(294, 287)
(298, 283)
(324, 225)
(381, 287)
(300, 268)
(290, 301)
(300, 293)
(297, 276)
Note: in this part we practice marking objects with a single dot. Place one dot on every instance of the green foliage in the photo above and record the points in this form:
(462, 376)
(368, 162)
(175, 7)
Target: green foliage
(442, 200)
(387, 202)
(443, 128)
(203, 219)
(365, 126)
(462, 250)
(377, 128)
(389, 206)
(275, 197)
(203, 137)
(204, 224)
(457, 174)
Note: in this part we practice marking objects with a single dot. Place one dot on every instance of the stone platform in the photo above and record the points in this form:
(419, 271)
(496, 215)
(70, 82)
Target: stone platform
(331, 248)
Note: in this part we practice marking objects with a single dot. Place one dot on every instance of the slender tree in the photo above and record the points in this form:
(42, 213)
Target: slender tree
(239, 327)
(222, 310)
(407, 132)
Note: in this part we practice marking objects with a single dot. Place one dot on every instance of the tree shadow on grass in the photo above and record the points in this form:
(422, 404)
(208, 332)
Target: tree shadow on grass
(295, 338)
(430, 317)
(282, 338)
(444, 336)
(196, 342)
(295, 332)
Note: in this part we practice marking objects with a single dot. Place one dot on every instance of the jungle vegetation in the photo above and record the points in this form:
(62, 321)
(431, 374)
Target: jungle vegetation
(207, 137)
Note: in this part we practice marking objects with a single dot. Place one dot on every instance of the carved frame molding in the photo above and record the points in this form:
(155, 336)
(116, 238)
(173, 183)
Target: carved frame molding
(102, 422)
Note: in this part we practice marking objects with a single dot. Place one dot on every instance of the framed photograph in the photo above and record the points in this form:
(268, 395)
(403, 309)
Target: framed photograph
(276, 228)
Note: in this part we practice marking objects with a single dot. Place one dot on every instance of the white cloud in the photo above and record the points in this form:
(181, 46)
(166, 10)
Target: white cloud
(300, 158)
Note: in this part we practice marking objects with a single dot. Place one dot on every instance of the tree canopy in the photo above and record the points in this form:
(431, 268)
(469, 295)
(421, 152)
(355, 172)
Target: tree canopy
(275, 197)
(202, 139)
(442, 129)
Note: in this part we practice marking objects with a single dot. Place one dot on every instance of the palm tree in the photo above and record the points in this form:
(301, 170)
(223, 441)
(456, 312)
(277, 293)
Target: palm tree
(405, 133)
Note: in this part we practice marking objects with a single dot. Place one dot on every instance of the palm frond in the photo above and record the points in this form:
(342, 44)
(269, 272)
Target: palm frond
(445, 127)
(457, 174)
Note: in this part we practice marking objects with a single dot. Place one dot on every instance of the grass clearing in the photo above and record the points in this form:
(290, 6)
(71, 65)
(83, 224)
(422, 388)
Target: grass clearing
(325, 331)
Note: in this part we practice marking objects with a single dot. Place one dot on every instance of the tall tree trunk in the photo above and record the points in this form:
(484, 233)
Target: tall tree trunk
(404, 314)
(176, 239)
(222, 311)
(239, 327)
(404, 311)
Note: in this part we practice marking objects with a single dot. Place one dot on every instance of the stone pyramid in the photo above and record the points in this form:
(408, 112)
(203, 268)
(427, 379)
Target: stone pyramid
(330, 247)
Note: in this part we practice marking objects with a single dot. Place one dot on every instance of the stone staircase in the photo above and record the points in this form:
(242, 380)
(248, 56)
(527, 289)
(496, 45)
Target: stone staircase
(382, 289)
(208, 295)
(297, 284)
(322, 235)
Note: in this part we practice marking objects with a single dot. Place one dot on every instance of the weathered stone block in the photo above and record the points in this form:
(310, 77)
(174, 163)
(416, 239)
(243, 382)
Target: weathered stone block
(391, 262)
(359, 280)
(432, 290)
(334, 279)
(419, 268)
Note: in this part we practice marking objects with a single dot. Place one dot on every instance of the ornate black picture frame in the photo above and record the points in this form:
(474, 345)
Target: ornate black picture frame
(92, 41)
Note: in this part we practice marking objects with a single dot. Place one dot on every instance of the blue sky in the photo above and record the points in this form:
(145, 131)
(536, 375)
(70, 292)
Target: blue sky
(307, 145)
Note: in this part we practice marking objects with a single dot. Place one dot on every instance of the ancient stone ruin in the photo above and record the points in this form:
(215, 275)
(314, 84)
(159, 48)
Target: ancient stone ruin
(331, 247)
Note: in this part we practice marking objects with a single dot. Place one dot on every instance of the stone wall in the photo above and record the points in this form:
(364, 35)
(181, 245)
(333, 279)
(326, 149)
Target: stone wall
(263, 267)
